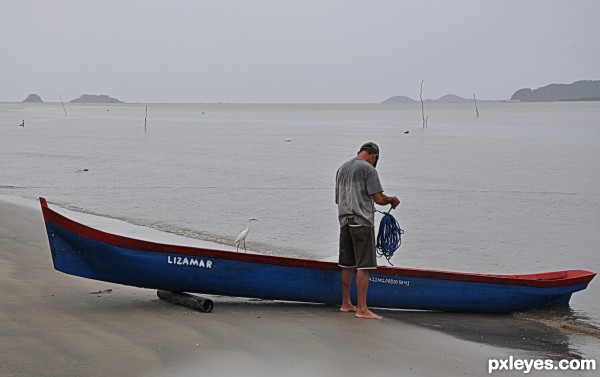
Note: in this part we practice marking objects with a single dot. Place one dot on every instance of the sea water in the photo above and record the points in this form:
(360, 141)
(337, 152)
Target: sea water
(515, 190)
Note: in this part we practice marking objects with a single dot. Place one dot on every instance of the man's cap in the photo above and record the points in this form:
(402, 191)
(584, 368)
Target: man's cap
(370, 147)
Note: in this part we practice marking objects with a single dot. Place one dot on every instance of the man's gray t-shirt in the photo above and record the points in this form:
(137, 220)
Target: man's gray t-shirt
(355, 182)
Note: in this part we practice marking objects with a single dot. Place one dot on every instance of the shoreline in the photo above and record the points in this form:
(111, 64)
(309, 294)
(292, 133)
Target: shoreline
(56, 324)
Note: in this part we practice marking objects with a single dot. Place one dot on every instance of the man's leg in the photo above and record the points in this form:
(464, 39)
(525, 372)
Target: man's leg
(362, 286)
(346, 281)
(347, 261)
(364, 247)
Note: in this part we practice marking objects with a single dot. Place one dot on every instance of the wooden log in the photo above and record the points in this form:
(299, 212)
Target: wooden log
(202, 304)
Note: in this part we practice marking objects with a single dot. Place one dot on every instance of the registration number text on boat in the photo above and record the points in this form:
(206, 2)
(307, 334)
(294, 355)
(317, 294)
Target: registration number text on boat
(375, 279)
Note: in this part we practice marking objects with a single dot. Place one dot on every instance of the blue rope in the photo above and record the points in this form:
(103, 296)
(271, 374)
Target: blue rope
(389, 236)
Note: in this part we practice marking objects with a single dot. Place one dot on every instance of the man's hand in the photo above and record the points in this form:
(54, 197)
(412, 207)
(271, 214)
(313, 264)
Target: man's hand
(383, 200)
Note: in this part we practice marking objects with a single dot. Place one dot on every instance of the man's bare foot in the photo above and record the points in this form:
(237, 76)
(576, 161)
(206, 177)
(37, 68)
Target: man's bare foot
(367, 314)
(347, 308)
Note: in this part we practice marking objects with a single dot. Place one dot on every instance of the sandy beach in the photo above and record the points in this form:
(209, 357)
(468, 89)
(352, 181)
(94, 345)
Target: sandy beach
(59, 325)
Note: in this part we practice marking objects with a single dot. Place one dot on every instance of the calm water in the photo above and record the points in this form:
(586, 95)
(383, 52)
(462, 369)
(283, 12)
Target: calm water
(517, 190)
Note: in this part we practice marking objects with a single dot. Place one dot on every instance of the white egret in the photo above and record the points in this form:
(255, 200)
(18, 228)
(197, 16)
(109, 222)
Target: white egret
(243, 235)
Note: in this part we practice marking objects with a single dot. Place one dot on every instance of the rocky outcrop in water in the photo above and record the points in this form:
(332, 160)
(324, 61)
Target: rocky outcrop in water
(33, 98)
(93, 98)
(448, 98)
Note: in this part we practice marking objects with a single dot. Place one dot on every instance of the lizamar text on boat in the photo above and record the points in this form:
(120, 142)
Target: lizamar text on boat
(184, 261)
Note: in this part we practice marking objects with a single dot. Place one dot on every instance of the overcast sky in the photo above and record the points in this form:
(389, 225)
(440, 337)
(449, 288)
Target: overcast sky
(304, 51)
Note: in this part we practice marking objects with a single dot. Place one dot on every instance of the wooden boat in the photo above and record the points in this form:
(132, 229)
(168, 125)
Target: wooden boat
(83, 251)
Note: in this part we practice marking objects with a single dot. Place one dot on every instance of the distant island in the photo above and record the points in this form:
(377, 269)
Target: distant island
(33, 98)
(448, 98)
(585, 90)
(93, 98)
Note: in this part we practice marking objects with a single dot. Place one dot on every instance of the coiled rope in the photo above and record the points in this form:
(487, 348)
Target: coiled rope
(389, 236)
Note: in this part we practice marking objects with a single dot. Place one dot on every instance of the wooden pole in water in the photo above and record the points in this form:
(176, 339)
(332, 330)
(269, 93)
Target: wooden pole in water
(476, 110)
(201, 304)
(422, 108)
(145, 119)
(63, 105)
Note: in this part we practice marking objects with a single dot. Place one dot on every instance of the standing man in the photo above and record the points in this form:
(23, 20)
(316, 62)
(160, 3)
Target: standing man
(357, 187)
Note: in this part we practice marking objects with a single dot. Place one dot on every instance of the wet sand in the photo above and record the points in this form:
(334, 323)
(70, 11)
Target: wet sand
(54, 324)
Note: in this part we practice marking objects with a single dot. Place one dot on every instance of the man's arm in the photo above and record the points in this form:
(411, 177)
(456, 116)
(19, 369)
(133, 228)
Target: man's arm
(382, 199)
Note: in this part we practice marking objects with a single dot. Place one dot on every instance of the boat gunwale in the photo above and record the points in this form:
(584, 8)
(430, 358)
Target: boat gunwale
(540, 280)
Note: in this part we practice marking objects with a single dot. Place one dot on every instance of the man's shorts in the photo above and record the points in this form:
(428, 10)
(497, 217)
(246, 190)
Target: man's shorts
(357, 246)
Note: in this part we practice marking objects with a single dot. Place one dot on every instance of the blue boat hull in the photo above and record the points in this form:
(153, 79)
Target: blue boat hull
(89, 253)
